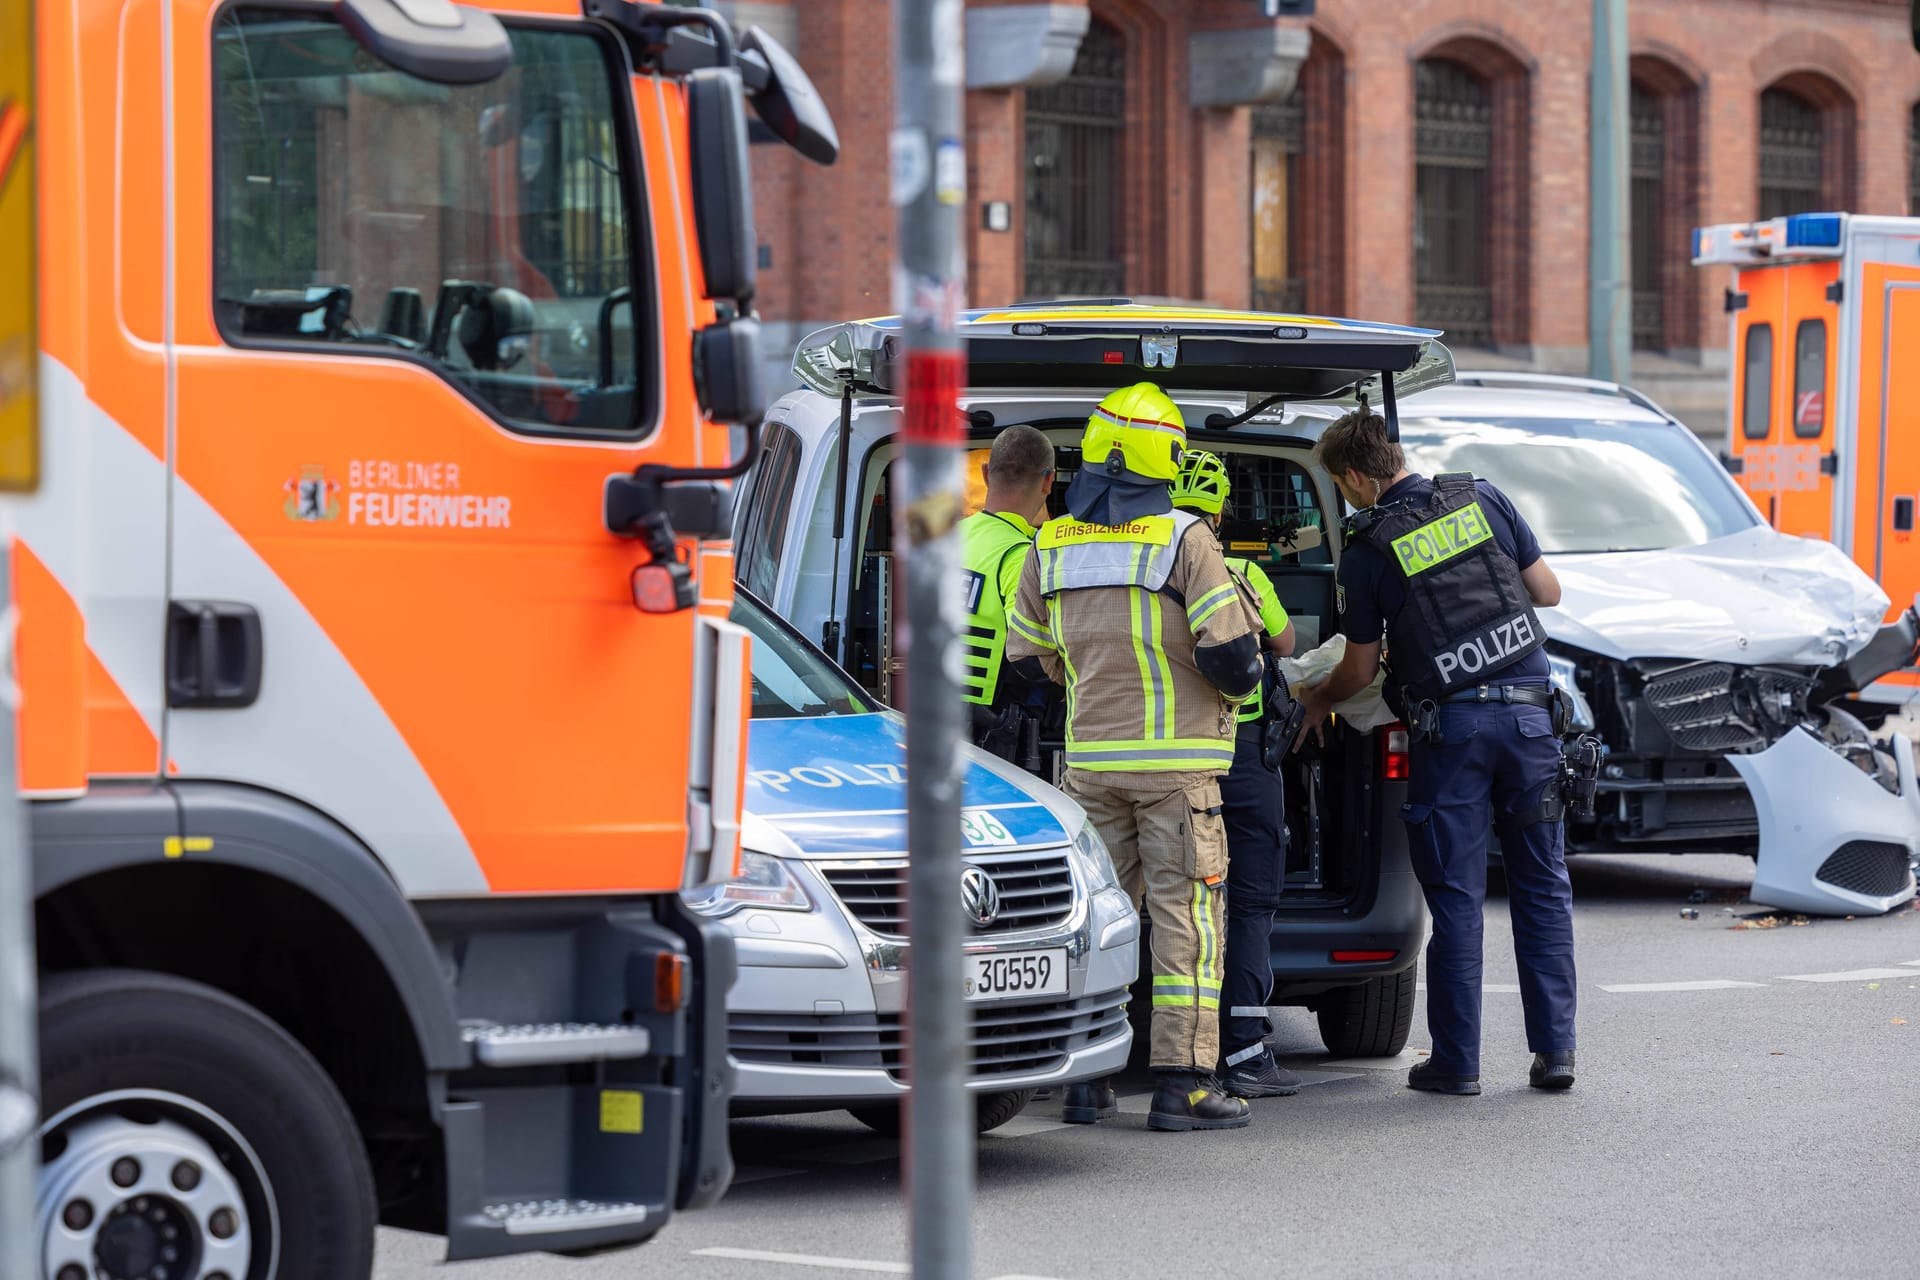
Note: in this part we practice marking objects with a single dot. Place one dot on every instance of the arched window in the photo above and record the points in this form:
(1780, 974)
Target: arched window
(1792, 159)
(1074, 197)
(1664, 162)
(1279, 256)
(1299, 190)
(1453, 160)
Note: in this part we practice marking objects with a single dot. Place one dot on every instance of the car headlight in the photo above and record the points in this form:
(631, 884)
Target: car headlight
(1091, 857)
(1561, 671)
(764, 881)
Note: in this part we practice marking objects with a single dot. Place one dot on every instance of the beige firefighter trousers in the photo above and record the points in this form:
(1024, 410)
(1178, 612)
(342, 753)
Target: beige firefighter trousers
(1169, 847)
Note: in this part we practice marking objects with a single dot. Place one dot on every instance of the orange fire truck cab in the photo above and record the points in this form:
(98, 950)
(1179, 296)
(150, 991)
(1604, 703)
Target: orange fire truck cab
(1824, 429)
(377, 690)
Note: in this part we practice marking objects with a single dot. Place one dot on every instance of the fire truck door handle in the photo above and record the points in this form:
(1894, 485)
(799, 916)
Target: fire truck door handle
(214, 654)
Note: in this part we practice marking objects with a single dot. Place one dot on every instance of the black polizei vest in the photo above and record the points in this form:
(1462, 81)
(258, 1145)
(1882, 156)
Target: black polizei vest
(1467, 613)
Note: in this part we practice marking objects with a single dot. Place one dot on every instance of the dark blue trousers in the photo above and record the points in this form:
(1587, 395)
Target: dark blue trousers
(1252, 805)
(1490, 762)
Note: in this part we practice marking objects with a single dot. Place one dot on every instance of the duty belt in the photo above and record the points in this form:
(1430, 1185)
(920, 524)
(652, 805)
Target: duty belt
(1527, 694)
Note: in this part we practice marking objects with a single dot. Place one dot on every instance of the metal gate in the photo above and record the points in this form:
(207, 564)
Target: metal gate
(1790, 155)
(1074, 200)
(1453, 154)
(1648, 165)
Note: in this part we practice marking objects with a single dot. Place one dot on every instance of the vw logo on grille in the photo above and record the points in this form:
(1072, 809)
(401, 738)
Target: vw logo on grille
(980, 896)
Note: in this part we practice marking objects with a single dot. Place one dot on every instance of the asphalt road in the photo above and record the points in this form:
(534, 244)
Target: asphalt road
(1764, 1127)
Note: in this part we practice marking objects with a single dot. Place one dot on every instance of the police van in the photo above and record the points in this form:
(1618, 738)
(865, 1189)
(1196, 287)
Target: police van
(814, 539)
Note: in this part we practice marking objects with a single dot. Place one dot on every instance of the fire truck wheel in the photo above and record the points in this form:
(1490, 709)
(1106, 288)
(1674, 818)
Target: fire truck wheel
(186, 1135)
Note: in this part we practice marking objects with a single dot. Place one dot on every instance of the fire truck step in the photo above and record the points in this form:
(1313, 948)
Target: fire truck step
(547, 1217)
(537, 1044)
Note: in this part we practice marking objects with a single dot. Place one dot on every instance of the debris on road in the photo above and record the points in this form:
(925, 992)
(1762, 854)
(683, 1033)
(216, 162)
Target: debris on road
(1769, 920)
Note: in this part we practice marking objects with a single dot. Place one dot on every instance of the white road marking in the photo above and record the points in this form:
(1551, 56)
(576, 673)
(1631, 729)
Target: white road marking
(1710, 984)
(1911, 963)
(1849, 975)
(828, 1264)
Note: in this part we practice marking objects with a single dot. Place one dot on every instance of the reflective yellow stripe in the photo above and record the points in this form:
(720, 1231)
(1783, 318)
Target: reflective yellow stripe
(1028, 630)
(1438, 541)
(1211, 755)
(1209, 604)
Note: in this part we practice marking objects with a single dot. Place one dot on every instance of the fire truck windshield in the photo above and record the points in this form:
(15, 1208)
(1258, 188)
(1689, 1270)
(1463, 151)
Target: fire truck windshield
(483, 230)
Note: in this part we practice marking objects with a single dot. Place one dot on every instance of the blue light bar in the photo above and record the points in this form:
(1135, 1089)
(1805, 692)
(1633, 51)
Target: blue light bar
(1813, 231)
(1696, 241)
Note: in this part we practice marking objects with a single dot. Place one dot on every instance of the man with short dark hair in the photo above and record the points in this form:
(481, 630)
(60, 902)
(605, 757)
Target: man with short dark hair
(1447, 573)
(994, 546)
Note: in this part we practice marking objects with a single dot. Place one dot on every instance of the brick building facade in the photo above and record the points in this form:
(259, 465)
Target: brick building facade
(1418, 162)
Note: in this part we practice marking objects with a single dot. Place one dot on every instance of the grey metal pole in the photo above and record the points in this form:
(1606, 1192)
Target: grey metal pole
(1610, 277)
(929, 190)
(19, 1057)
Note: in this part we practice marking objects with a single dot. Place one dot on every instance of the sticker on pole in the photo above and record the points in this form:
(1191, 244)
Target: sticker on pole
(950, 172)
(909, 164)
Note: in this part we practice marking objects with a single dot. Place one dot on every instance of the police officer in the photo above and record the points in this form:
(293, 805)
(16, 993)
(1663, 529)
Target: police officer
(1254, 799)
(994, 545)
(1448, 571)
(1130, 605)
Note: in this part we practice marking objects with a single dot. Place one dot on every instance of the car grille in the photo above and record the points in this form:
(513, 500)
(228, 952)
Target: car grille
(1007, 1039)
(1036, 890)
(1714, 706)
(1871, 867)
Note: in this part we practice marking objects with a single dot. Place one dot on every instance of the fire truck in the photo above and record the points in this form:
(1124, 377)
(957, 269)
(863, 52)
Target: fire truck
(369, 432)
(1824, 428)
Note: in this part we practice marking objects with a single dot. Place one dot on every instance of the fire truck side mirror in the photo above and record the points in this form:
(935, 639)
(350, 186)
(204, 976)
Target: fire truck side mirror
(722, 183)
(436, 40)
(787, 103)
(728, 371)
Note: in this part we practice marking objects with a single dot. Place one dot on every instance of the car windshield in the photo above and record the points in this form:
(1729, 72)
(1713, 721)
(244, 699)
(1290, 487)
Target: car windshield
(1588, 484)
(790, 678)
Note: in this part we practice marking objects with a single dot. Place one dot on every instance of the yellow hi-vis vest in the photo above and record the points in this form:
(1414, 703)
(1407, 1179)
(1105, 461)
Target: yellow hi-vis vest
(1273, 620)
(1113, 580)
(993, 546)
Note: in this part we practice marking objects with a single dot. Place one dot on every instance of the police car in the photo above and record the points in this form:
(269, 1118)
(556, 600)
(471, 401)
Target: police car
(816, 1018)
(813, 538)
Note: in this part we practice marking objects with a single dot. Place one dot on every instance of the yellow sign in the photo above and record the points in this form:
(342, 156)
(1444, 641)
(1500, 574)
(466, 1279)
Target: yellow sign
(620, 1111)
(1154, 531)
(19, 349)
(1439, 541)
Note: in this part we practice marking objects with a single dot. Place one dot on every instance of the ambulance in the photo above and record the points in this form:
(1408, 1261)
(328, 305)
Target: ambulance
(366, 424)
(1824, 428)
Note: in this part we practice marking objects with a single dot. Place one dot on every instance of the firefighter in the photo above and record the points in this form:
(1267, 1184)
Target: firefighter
(1449, 574)
(1130, 605)
(995, 542)
(1254, 800)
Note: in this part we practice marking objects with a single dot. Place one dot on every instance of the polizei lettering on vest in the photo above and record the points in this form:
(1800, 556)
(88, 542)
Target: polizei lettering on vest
(1438, 541)
(1488, 650)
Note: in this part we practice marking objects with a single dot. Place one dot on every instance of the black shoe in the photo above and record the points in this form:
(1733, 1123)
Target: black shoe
(1260, 1077)
(1552, 1070)
(1086, 1103)
(1424, 1077)
(1184, 1100)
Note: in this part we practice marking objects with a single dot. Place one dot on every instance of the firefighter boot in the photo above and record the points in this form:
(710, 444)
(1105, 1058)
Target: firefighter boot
(1086, 1103)
(1185, 1100)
